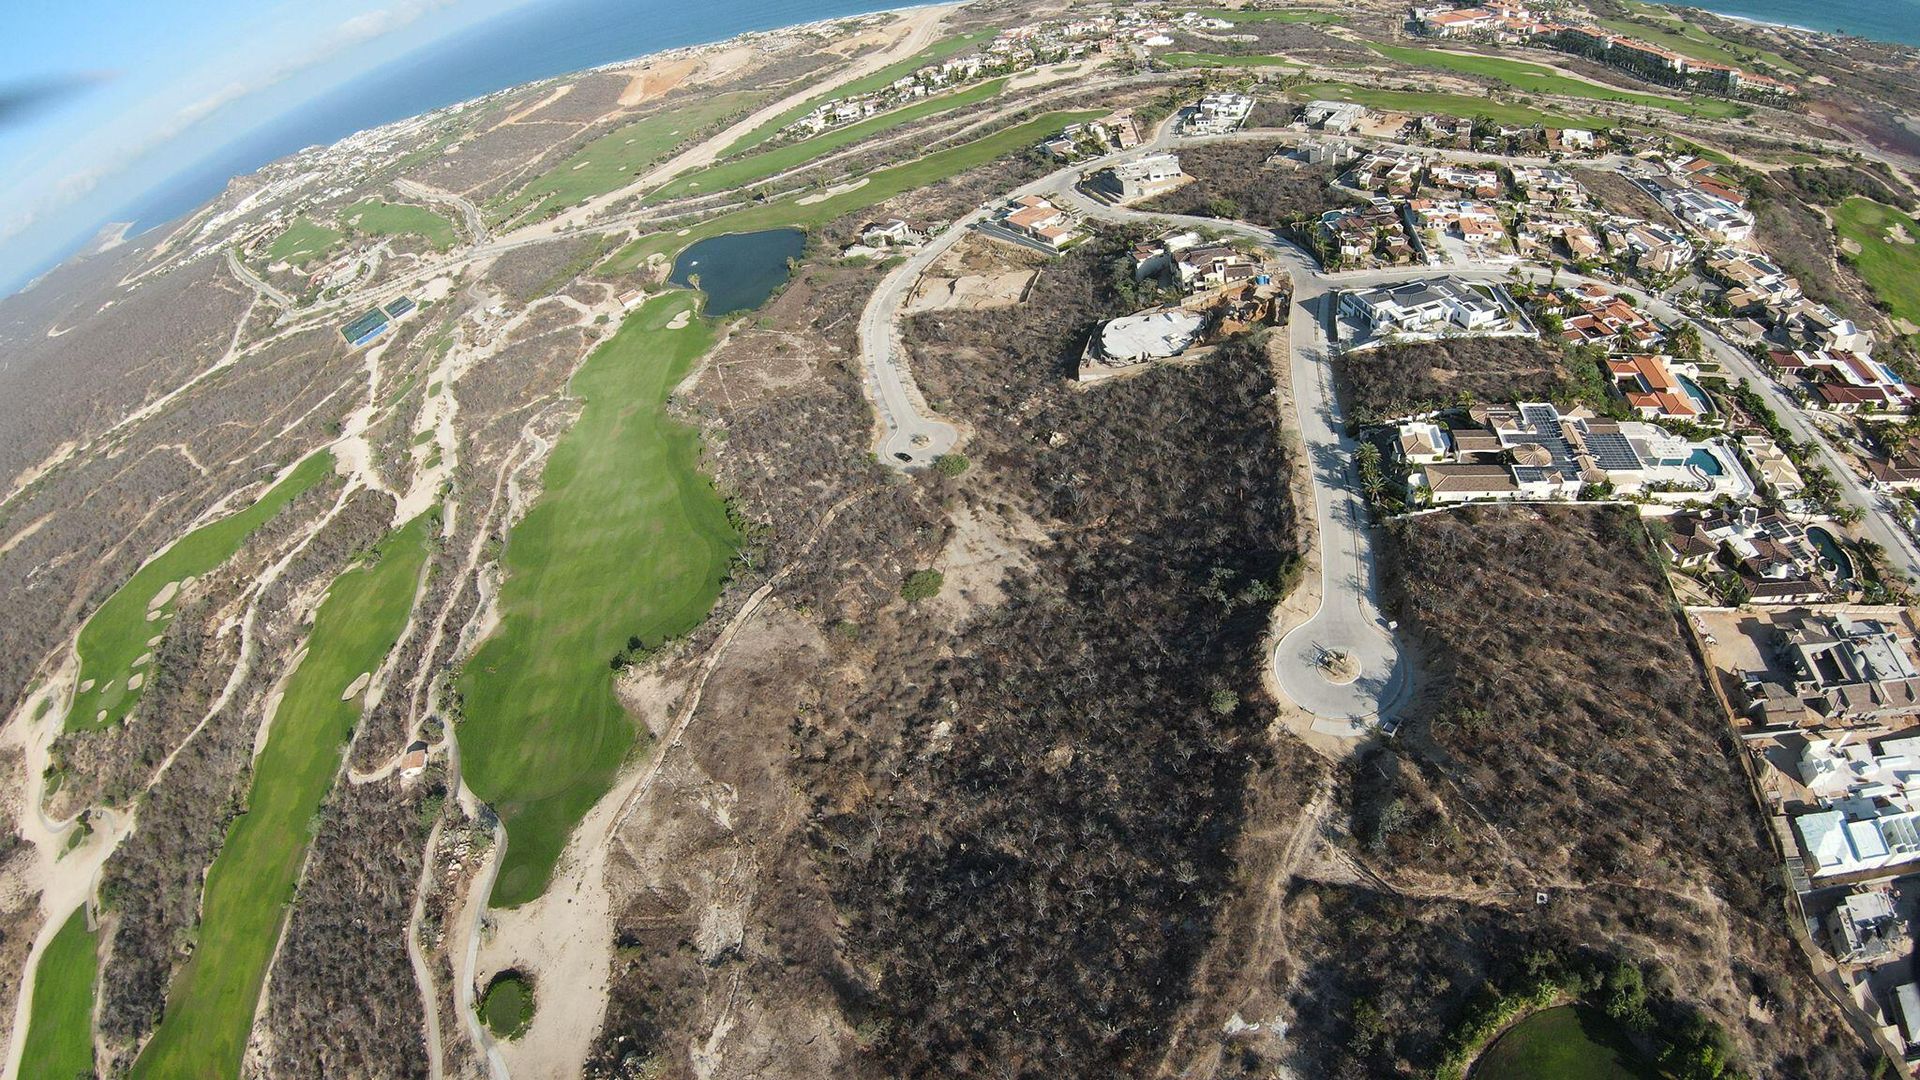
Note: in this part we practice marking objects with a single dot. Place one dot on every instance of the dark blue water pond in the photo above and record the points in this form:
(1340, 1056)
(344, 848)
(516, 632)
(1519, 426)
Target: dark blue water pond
(740, 270)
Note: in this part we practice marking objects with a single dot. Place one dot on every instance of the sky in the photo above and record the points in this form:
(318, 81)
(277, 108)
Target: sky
(100, 99)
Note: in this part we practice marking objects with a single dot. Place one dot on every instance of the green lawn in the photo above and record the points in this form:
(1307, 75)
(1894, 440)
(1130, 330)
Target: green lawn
(1304, 16)
(507, 1006)
(303, 242)
(1571, 1042)
(627, 539)
(1674, 32)
(743, 171)
(395, 219)
(882, 184)
(210, 1006)
(1533, 78)
(60, 1029)
(613, 160)
(1207, 60)
(1890, 265)
(116, 635)
(1461, 105)
(866, 84)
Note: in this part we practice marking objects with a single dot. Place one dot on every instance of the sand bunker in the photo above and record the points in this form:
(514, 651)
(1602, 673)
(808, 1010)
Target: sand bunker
(1897, 233)
(359, 684)
(137, 680)
(163, 597)
(823, 196)
(680, 320)
(143, 660)
(84, 687)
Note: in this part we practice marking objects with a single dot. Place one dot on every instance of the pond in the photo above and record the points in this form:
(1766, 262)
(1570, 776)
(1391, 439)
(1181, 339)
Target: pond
(1829, 547)
(1572, 1042)
(739, 271)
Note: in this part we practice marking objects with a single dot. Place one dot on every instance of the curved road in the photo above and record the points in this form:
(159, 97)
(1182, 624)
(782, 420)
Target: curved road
(1348, 619)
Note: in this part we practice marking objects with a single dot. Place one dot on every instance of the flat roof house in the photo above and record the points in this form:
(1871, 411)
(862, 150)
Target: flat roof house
(1427, 304)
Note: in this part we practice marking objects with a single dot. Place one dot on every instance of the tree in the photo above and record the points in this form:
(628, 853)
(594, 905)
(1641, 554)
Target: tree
(951, 464)
(922, 585)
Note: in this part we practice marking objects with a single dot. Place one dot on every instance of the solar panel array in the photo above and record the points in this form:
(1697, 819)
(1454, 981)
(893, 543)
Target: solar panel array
(1612, 452)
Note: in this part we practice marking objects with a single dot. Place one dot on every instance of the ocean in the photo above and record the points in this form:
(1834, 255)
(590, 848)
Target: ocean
(1896, 21)
(541, 40)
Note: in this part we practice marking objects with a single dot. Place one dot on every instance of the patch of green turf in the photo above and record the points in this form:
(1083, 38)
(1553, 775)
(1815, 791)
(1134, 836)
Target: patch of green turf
(628, 539)
(613, 160)
(1461, 105)
(304, 241)
(117, 634)
(867, 84)
(397, 219)
(210, 1006)
(743, 171)
(1671, 29)
(881, 185)
(1535, 79)
(507, 1006)
(1571, 1042)
(1209, 60)
(1889, 265)
(60, 1029)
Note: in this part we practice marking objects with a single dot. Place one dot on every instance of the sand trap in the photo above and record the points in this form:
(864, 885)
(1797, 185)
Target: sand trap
(153, 615)
(143, 660)
(84, 687)
(155, 640)
(1851, 247)
(163, 597)
(359, 684)
(680, 320)
(823, 196)
(137, 680)
(582, 165)
(1897, 233)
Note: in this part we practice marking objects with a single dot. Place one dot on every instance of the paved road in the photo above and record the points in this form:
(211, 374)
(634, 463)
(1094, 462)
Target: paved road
(254, 281)
(476, 222)
(1348, 620)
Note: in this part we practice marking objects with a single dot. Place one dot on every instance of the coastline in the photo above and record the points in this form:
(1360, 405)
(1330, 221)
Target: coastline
(1781, 21)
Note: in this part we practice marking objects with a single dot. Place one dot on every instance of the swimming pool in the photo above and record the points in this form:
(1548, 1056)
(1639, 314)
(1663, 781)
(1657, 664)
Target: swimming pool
(1698, 395)
(1706, 461)
(1823, 541)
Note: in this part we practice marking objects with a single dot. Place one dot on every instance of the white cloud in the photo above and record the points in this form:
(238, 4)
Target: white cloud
(64, 191)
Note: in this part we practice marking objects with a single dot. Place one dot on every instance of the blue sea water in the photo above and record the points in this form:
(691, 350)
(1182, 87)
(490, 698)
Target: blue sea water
(1897, 21)
(540, 40)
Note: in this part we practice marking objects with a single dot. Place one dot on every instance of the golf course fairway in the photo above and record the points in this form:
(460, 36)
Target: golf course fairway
(211, 1004)
(60, 1028)
(115, 637)
(627, 539)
